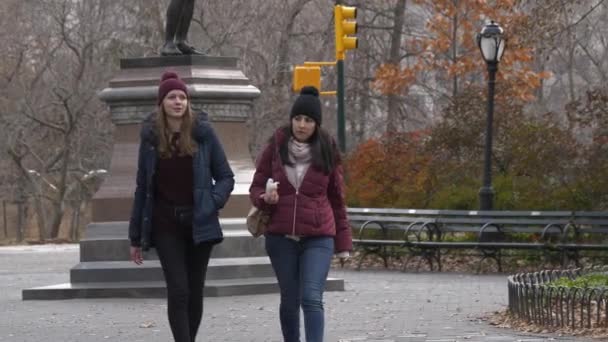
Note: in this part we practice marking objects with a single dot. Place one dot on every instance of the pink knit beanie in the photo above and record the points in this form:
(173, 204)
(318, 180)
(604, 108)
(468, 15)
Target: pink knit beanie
(170, 81)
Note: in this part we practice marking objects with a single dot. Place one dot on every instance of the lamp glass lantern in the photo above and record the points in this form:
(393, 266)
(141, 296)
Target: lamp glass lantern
(491, 42)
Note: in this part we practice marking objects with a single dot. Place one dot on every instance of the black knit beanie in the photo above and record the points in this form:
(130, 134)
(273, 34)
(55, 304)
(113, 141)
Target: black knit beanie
(308, 104)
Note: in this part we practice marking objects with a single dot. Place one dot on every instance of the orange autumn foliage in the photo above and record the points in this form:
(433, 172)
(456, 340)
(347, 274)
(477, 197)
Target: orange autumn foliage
(392, 171)
(450, 49)
(391, 79)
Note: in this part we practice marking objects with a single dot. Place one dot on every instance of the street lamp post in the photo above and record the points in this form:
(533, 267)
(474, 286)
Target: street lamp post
(491, 42)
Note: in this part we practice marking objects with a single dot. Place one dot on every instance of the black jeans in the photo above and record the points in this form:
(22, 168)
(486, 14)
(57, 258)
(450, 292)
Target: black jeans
(184, 266)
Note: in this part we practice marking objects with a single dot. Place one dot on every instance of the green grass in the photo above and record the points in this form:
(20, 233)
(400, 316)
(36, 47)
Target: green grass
(588, 280)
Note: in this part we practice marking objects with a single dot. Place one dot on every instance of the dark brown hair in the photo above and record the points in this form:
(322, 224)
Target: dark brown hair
(324, 152)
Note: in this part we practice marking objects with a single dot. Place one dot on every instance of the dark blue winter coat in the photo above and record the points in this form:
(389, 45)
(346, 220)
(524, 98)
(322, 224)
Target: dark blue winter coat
(213, 183)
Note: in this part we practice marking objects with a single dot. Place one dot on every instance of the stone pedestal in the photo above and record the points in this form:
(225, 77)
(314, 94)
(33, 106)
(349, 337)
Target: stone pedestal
(238, 265)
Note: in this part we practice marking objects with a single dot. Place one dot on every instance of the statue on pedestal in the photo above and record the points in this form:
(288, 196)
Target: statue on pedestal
(179, 16)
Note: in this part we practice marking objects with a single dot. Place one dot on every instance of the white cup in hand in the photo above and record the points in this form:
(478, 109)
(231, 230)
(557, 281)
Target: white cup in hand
(271, 185)
(272, 195)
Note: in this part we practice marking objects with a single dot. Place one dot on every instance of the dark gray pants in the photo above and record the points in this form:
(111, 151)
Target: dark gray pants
(185, 266)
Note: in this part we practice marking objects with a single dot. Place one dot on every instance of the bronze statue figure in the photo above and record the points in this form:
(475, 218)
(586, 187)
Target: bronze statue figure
(179, 16)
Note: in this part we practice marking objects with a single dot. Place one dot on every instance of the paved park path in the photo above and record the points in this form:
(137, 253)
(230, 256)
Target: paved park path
(379, 306)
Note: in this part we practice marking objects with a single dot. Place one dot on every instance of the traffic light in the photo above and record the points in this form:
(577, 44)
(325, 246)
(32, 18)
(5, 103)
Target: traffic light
(345, 27)
(304, 75)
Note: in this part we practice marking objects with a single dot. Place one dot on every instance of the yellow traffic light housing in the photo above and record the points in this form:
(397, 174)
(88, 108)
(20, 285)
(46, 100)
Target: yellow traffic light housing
(345, 27)
(304, 75)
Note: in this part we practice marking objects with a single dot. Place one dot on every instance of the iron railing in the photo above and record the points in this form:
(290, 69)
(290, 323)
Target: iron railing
(534, 299)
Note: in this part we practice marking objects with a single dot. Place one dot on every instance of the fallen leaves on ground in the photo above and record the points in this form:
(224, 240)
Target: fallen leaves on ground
(503, 319)
(450, 262)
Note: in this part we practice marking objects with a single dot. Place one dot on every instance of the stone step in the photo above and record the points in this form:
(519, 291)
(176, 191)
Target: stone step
(112, 247)
(119, 229)
(156, 289)
(150, 270)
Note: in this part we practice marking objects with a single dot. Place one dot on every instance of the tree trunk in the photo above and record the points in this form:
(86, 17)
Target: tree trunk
(455, 48)
(395, 59)
(363, 65)
(75, 224)
(283, 78)
(571, 46)
(41, 215)
(55, 221)
(4, 219)
(20, 223)
(274, 102)
(58, 205)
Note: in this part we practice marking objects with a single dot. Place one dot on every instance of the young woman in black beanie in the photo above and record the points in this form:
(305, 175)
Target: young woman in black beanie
(298, 179)
(183, 180)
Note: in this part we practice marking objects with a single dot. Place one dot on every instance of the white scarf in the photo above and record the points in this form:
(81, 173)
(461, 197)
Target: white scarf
(300, 156)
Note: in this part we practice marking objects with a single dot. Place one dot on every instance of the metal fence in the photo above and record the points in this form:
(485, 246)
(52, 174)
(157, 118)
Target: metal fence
(534, 299)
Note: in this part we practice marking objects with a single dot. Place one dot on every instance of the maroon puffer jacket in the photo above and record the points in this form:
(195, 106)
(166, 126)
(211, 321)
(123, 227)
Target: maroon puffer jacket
(318, 209)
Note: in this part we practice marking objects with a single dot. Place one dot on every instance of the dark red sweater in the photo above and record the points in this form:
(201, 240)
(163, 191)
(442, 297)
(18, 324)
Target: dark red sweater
(174, 182)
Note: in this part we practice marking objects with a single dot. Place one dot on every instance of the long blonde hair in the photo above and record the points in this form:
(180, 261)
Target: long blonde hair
(187, 145)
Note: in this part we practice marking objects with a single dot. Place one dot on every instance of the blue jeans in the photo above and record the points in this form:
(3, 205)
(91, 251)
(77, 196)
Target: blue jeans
(301, 268)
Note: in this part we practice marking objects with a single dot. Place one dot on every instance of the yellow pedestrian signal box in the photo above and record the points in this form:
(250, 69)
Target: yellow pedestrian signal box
(345, 27)
(304, 75)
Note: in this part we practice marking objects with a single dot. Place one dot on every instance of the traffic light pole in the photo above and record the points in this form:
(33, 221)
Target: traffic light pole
(345, 27)
(309, 74)
(340, 96)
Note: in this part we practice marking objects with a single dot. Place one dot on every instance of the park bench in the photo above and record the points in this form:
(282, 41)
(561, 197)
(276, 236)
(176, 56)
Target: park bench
(382, 234)
(390, 232)
(493, 232)
(588, 231)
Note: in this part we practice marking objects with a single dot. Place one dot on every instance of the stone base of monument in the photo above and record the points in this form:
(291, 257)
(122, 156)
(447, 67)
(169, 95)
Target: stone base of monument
(238, 266)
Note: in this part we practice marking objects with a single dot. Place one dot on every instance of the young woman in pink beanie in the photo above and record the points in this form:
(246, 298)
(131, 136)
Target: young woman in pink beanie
(183, 180)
